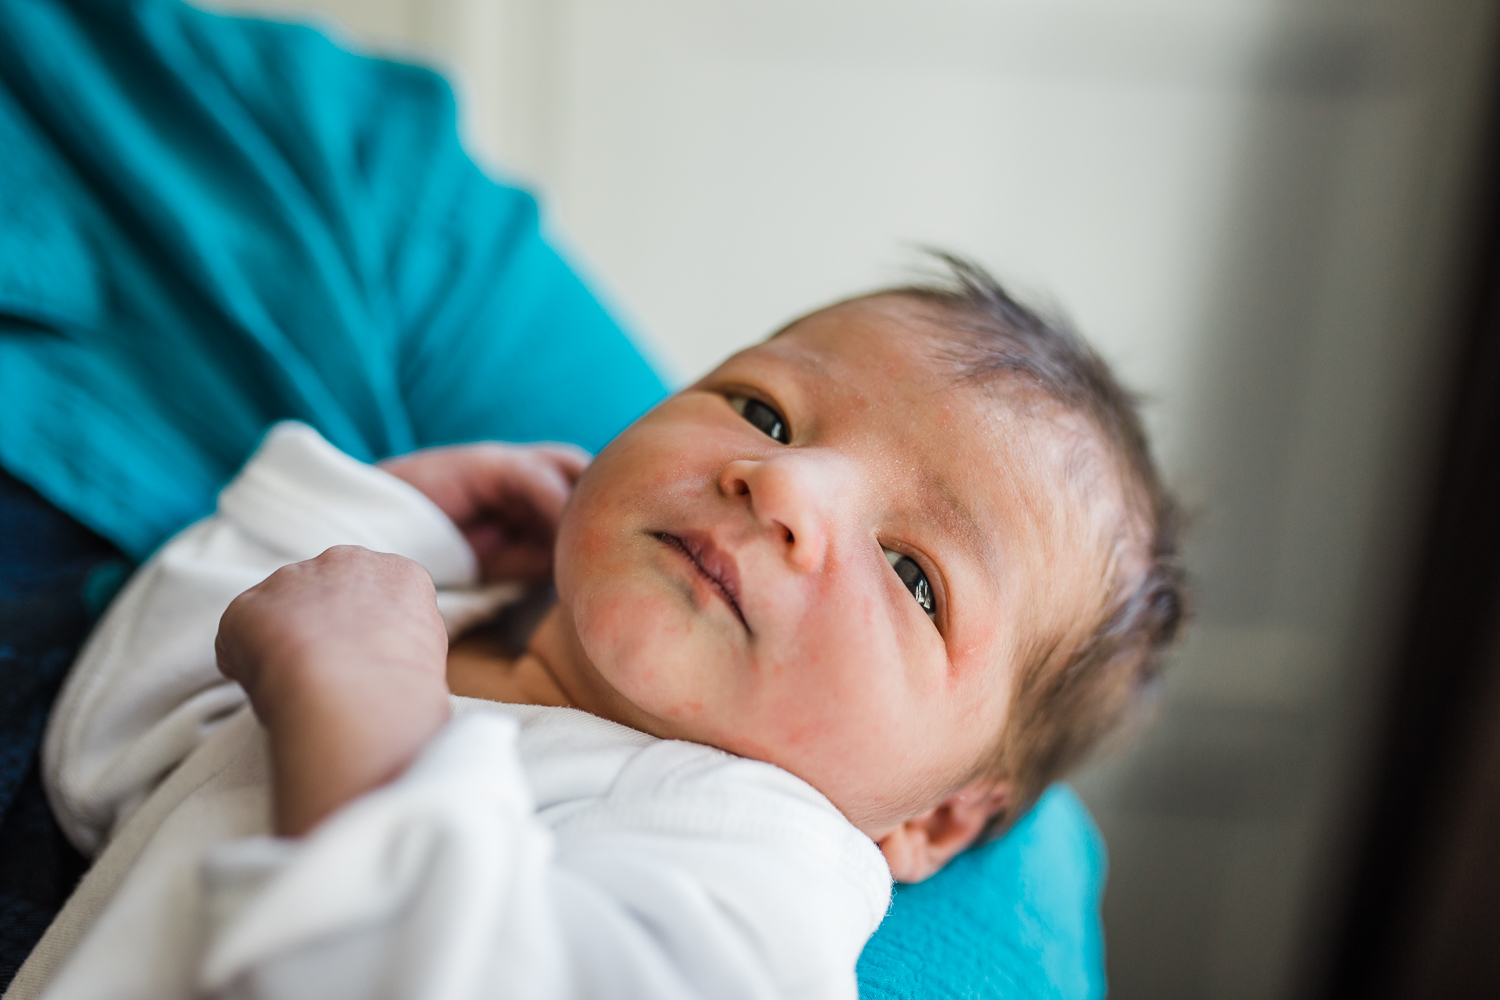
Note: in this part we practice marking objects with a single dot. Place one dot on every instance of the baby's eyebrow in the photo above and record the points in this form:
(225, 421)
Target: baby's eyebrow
(954, 514)
(797, 357)
(813, 362)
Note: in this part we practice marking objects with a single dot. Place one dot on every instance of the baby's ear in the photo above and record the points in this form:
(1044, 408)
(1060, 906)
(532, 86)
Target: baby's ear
(916, 849)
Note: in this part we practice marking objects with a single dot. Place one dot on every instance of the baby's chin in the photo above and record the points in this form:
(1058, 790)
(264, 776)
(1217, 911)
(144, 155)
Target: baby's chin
(638, 686)
(630, 678)
(565, 555)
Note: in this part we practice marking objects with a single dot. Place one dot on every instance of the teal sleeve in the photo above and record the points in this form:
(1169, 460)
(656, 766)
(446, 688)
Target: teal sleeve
(1018, 917)
(208, 224)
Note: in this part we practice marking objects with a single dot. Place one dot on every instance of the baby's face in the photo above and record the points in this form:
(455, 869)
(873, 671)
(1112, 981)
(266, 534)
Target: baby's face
(830, 556)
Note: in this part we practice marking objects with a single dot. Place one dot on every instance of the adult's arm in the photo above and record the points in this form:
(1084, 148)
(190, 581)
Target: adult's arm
(213, 223)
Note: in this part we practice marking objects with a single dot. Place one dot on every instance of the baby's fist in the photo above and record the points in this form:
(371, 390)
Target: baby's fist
(343, 657)
(334, 621)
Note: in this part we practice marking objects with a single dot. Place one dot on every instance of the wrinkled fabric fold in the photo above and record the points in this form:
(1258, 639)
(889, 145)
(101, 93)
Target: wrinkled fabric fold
(209, 224)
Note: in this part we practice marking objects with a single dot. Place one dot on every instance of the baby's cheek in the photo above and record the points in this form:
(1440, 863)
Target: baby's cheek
(844, 632)
(604, 617)
(584, 545)
(637, 639)
(588, 548)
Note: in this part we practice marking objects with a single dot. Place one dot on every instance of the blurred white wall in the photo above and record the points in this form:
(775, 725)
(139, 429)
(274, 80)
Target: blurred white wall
(1249, 205)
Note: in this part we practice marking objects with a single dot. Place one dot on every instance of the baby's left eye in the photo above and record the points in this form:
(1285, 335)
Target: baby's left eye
(916, 581)
(767, 420)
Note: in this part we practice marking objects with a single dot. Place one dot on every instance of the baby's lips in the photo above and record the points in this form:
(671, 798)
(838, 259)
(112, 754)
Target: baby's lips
(714, 567)
(716, 562)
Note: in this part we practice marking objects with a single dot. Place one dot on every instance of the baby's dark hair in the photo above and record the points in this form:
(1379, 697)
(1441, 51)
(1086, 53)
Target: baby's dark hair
(1067, 700)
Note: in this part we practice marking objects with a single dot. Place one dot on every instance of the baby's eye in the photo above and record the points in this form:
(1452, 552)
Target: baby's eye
(916, 581)
(765, 419)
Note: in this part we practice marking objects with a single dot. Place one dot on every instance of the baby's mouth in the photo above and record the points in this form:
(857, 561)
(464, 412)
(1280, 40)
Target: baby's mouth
(716, 568)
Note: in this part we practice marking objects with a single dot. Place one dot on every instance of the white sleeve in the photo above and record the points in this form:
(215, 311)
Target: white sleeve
(445, 884)
(146, 689)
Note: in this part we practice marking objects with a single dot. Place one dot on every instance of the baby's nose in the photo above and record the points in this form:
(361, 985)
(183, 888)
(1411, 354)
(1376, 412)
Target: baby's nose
(790, 495)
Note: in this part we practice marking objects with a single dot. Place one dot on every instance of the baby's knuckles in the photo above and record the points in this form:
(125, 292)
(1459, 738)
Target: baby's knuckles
(348, 608)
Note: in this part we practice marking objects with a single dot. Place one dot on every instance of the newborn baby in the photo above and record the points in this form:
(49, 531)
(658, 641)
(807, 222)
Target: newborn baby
(825, 617)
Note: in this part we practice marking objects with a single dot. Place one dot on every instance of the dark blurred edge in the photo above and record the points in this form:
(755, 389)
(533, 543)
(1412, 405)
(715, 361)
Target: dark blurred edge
(1420, 915)
(55, 577)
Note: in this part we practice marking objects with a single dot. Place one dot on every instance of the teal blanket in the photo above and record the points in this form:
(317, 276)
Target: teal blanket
(210, 224)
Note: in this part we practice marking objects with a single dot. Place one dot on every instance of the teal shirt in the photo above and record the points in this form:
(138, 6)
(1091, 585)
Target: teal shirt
(210, 224)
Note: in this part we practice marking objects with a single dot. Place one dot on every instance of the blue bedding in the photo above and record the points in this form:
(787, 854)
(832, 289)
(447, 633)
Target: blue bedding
(209, 224)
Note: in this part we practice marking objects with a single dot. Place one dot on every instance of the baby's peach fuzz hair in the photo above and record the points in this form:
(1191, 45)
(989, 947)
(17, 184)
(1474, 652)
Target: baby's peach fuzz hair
(1068, 696)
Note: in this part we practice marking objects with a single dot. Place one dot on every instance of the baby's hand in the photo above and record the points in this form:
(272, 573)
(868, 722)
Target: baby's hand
(506, 499)
(344, 660)
(369, 610)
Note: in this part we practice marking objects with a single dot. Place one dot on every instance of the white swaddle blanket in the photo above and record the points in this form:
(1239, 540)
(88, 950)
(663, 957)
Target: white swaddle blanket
(529, 851)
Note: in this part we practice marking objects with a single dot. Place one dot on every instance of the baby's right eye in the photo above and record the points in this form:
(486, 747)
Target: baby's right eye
(762, 415)
(916, 581)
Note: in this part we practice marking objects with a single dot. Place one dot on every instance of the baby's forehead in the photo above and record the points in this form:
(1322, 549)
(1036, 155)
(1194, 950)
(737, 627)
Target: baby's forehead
(895, 327)
(1012, 455)
(894, 351)
(925, 366)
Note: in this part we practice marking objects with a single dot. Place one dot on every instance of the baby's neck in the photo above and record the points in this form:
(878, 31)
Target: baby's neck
(554, 670)
(480, 666)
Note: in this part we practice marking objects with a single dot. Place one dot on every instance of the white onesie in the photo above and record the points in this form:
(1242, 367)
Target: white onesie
(528, 852)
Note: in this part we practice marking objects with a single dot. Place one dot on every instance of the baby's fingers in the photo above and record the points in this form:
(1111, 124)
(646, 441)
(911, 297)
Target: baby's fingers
(522, 489)
(571, 460)
(503, 557)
